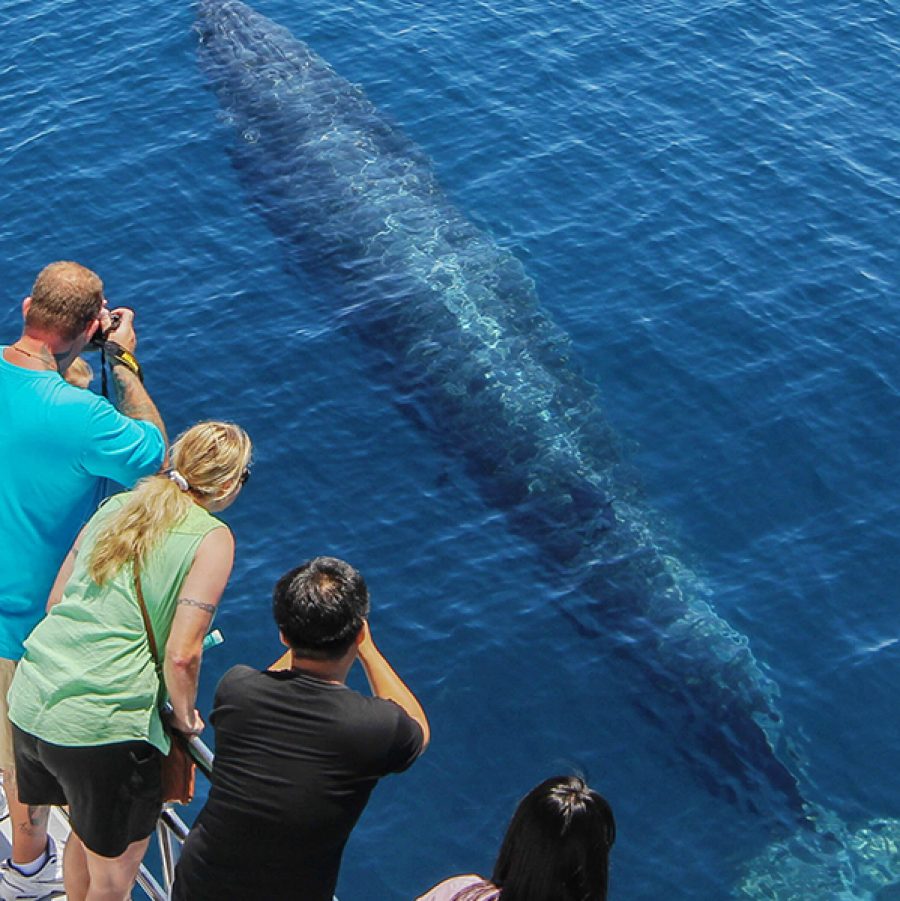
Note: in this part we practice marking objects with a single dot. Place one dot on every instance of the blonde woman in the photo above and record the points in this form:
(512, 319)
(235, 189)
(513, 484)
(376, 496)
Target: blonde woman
(80, 373)
(85, 698)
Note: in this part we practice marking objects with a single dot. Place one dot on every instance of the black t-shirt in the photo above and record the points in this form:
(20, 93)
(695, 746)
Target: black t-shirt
(296, 761)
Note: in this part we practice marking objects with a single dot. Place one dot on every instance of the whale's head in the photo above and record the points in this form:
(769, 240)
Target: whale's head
(234, 35)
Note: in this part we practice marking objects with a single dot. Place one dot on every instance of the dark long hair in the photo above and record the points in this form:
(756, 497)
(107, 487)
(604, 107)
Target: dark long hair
(556, 847)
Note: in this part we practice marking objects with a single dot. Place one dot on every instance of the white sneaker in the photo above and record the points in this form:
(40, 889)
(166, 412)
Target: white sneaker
(43, 884)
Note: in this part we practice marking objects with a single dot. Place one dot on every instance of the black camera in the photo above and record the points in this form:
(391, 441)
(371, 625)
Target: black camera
(101, 335)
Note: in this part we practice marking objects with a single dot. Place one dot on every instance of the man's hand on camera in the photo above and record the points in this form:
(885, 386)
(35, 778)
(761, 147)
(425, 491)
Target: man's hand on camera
(123, 333)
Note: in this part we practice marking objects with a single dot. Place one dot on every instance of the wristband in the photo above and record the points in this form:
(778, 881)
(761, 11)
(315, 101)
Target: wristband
(117, 355)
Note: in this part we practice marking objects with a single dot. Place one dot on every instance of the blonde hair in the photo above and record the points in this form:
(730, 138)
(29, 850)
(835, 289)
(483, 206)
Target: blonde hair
(211, 457)
(80, 374)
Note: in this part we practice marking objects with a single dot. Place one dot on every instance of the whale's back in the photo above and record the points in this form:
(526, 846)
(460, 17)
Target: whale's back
(459, 320)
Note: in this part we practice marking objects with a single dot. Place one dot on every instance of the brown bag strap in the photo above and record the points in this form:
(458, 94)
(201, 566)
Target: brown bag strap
(151, 639)
(181, 788)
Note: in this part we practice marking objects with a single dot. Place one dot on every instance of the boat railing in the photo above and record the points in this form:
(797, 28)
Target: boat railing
(171, 832)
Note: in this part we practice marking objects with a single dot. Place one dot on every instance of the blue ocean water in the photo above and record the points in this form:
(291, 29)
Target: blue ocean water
(707, 198)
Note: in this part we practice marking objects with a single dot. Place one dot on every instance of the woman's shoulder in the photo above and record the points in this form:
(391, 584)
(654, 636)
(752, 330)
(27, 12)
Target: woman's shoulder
(199, 521)
(450, 888)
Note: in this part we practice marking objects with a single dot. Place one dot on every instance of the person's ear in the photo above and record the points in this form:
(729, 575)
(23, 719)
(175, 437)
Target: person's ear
(91, 330)
(283, 640)
(224, 493)
(26, 304)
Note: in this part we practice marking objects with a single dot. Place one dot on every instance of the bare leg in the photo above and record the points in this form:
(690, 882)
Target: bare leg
(111, 878)
(29, 823)
(75, 871)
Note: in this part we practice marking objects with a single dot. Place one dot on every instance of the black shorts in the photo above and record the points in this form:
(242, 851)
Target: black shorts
(113, 791)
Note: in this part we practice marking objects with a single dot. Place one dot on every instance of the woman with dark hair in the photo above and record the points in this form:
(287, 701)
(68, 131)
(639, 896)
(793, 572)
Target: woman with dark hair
(556, 848)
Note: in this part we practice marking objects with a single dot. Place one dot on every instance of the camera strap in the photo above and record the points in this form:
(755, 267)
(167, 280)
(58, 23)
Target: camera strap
(118, 356)
(104, 382)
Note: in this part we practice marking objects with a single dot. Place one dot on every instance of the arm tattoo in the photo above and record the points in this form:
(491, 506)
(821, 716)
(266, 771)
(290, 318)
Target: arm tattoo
(132, 398)
(190, 602)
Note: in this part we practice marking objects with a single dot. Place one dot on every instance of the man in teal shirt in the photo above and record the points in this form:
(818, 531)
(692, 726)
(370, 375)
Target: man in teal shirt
(58, 444)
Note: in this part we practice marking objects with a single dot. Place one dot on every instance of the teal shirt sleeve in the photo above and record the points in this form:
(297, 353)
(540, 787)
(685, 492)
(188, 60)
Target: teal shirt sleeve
(120, 448)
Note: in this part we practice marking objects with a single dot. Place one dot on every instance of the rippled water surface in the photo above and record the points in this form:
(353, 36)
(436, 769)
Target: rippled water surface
(706, 195)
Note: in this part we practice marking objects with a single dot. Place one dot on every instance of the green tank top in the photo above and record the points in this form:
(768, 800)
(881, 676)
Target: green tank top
(87, 676)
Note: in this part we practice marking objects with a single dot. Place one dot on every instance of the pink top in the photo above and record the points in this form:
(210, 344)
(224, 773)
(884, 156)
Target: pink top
(450, 888)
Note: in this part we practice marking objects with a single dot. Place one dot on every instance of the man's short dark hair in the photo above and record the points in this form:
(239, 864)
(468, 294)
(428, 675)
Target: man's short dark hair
(65, 298)
(320, 607)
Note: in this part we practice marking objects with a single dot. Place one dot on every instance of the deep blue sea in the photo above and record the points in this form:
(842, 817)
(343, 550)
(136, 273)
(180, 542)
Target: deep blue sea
(707, 197)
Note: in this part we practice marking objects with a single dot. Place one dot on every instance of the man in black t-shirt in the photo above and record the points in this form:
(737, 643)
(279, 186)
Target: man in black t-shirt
(297, 751)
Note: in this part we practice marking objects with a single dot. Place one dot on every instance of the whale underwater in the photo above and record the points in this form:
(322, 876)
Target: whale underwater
(455, 321)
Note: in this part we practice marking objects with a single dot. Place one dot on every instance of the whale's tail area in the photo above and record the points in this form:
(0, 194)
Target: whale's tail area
(833, 863)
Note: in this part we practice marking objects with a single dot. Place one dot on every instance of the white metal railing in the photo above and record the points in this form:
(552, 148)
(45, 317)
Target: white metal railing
(171, 832)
